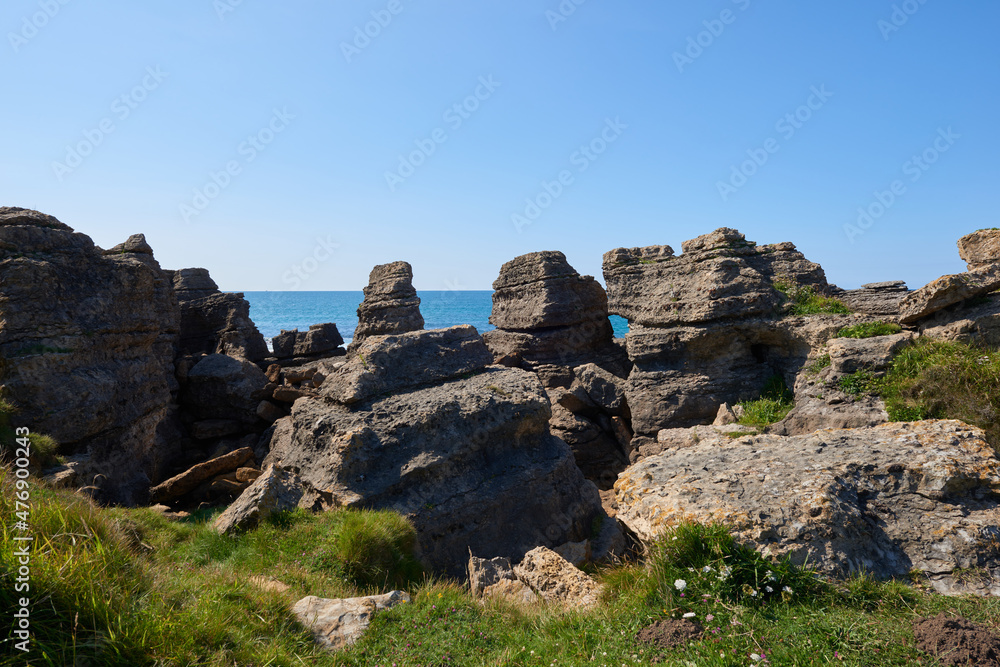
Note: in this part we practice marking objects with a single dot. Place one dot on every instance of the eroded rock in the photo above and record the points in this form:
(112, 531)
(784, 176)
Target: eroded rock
(338, 623)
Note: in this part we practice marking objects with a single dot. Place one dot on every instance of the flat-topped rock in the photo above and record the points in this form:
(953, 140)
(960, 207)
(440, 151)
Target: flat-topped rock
(546, 312)
(190, 284)
(389, 364)
(947, 291)
(887, 499)
(390, 305)
(980, 249)
(13, 216)
(881, 298)
(319, 340)
(720, 276)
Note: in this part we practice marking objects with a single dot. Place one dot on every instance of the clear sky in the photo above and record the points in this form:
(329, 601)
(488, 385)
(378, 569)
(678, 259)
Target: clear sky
(281, 147)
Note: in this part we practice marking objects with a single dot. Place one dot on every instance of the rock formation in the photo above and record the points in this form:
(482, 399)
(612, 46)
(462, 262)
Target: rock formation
(390, 306)
(881, 299)
(214, 321)
(336, 624)
(321, 341)
(886, 500)
(87, 343)
(546, 312)
(948, 291)
(980, 249)
(418, 423)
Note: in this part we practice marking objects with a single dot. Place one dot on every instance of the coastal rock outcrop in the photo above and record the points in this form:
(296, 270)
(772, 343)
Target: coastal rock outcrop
(887, 499)
(391, 304)
(546, 312)
(321, 341)
(87, 341)
(980, 249)
(460, 447)
(881, 299)
(948, 291)
(213, 321)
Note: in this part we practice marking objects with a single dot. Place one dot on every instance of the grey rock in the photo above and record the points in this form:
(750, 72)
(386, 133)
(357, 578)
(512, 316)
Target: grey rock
(604, 389)
(980, 249)
(224, 387)
(392, 363)
(321, 340)
(546, 312)
(875, 298)
(849, 355)
(338, 623)
(189, 480)
(390, 305)
(220, 324)
(887, 499)
(135, 243)
(556, 580)
(469, 460)
(190, 284)
(275, 490)
(87, 347)
(947, 291)
(484, 573)
(976, 323)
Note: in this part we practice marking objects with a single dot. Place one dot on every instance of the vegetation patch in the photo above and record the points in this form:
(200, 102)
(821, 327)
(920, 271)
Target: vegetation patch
(43, 449)
(934, 379)
(860, 383)
(775, 402)
(803, 300)
(869, 330)
(819, 364)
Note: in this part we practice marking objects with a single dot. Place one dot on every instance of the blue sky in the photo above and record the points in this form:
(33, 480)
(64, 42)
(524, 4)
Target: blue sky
(283, 148)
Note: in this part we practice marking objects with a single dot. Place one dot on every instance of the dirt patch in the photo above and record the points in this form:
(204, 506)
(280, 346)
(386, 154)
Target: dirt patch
(957, 641)
(671, 632)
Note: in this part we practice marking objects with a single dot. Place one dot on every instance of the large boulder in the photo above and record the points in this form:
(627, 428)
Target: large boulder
(875, 298)
(556, 580)
(948, 291)
(463, 449)
(975, 322)
(391, 304)
(213, 321)
(224, 387)
(87, 344)
(720, 276)
(298, 347)
(887, 500)
(980, 249)
(547, 312)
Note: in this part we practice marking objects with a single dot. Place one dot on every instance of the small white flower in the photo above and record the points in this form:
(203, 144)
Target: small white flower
(690, 614)
(769, 575)
(706, 569)
(787, 589)
(768, 589)
(755, 657)
(753, 593)
(680, 584)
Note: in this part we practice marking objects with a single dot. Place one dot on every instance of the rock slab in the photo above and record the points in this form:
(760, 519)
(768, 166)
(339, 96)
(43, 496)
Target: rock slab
(338, 623)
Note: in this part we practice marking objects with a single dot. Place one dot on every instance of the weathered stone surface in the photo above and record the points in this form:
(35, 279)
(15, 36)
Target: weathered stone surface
(275, 490)
(486, 572)
(469, 460)
(980, 249)
(976, 322)
(849, 355)
(875, 298)
(321, 340)
(720, 276)
(556, 580)
(207, 429)
(947, 291)
(87, 349)
(135, 243)
(220, 323)
(398, 362)
(269, 412)
(831, 410)
(224, 387)
(513, 591)
(606, 390)
(336, 624)
(887, 499)
(545, 311)
(190, 479)
(391, 304)
(287, 394)
(191, 284)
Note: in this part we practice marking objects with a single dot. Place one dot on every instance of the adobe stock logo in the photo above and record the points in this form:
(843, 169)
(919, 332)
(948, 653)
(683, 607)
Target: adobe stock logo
(31, 25)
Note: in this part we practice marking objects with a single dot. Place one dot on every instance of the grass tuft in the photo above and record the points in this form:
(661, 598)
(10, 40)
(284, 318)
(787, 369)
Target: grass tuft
(869, 330)
(803, 300)
(775, 402)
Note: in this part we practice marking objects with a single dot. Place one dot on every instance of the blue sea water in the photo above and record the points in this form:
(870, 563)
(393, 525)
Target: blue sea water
(274, 311)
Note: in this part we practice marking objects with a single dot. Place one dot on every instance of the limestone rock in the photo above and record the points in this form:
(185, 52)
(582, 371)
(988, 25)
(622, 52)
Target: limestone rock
(276, 490)
(545, 311)
(390, 306)
(976, 322)
(720, 276)
(980, 249)
(321, 340)
(484, 573)
(513, 591)
(832, 410)
(849, 355)
(220, 323)
(394, 363)
(87, 350)
(470, 460)
(135, 243)
(224, 387)
(947, 291)
(606, 390)
(875, 298)
(556, 580)
(888, 499)
(191, 284)
(336, 624)
(190, 479)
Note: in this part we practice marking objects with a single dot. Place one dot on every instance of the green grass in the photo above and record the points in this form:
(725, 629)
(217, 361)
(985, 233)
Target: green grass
(775, 402)
(860, 383)
(940, 380)
(43, 449)
(819, 364)
(127, 587)
(869, 330)
(803, 300)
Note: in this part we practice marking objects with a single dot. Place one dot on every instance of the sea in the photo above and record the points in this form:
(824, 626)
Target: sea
(274, 311)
